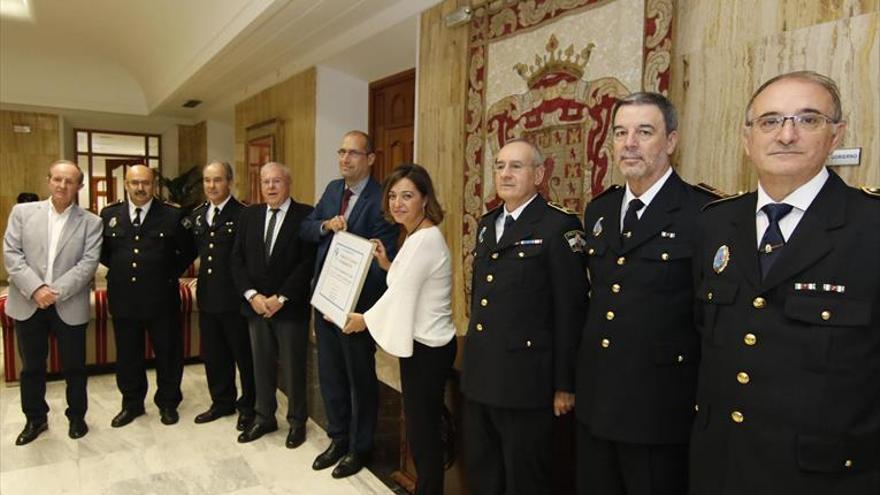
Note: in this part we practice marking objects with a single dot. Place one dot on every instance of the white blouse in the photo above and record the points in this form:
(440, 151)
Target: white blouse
(417, 305)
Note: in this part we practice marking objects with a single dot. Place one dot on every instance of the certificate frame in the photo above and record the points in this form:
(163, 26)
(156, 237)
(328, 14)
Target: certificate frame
(342, 277)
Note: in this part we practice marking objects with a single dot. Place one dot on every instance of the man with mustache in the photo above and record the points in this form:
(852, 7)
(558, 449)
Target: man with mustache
(639, 351)
(789, 311)
(147, 246)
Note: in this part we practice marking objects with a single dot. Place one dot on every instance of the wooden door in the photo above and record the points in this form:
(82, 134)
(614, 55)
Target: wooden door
(392, 121)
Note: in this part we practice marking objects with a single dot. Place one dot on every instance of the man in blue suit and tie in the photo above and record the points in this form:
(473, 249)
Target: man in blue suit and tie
(347, 363)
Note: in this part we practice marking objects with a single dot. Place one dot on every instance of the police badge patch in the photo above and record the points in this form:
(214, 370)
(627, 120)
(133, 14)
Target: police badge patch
(576, 241)
(186, 222)
(597, 227)
(112, 222)
(722, 257)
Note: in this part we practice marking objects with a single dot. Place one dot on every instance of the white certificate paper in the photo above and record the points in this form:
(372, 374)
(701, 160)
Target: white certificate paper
(342, 277)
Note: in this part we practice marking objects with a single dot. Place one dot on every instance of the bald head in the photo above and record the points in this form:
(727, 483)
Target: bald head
(140, 184)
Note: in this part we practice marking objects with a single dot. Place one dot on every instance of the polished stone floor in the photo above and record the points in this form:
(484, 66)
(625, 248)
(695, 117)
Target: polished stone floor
(147, 457)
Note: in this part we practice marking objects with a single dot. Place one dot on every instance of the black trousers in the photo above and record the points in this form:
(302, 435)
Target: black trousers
(33, 345)
(508, 451)
(131, 375)
(226, 343)
(347, 375)
(281, 342)
(423, 381)
(617, 468)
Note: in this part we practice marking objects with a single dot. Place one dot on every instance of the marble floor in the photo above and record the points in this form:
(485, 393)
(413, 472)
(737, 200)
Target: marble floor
(147, 457)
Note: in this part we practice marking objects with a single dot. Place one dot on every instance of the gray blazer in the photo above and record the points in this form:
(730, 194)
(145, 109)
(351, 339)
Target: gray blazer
(25, 254)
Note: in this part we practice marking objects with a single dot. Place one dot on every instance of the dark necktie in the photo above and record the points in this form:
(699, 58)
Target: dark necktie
(270, 232)
(346, 196)
(137, 218)
(216, 218)
(508, 223)
(631, 217)
(772, 241)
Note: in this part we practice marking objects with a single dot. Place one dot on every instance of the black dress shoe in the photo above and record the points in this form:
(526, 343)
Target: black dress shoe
(213, 414)
(78, 428)
(244, 421)
(256, 431)
(31, 431)
(125, 417)
(295, 437)
(331, 456)
(168, 416)
(350, 464)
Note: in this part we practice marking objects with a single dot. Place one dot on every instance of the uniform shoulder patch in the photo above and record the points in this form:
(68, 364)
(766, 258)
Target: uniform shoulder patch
(709, 190)
(567, 211)
(724, 199)
(202, 207)
(874, 192)
(115, 203)
(612, 187)
(171, 204)
(490, 210)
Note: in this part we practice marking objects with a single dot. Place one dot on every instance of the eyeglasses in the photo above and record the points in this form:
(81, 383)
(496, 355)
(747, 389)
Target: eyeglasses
(809, 121)
(342, 153)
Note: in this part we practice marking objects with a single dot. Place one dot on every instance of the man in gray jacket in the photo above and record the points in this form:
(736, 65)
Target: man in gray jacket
(51, 251)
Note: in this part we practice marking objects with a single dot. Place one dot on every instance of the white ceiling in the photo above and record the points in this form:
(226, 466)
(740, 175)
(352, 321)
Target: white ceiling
(148, 57)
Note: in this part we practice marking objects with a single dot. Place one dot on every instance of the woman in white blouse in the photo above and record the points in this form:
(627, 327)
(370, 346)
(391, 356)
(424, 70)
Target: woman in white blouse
(413, 319)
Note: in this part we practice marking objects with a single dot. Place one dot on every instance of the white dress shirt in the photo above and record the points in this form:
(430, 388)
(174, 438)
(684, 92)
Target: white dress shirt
(646, 196)
(212, 210)
(499, 222)
(279, 219)
(144, 209)
(56, 227)
(417, 306)
(800, 199)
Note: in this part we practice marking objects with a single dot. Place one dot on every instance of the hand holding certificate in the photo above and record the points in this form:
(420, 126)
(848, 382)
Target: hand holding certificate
(342, 277)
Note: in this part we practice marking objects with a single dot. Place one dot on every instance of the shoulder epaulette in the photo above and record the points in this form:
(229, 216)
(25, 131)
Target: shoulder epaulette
(203, 206)
(612, 187)
(722, 200)
(115, 203)
(169, 203)
(711, 191)
(874, 192)
(561, 208)
(490, 210)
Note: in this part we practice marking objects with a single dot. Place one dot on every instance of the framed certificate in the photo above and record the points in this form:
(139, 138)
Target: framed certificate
(342, 277)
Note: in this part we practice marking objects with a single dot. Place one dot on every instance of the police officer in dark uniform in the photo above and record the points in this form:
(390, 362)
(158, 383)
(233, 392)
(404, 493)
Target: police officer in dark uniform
(224, 331)
(637, 363)
(146, 248)
(528, 306)
(789, 312)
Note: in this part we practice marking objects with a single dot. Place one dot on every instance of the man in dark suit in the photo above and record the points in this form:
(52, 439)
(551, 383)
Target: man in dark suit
(224, 331)
(346, 362)
(789, 312)
(272, 268)
(637, 363)
(51, 250)
(528, 307)
(147, 246)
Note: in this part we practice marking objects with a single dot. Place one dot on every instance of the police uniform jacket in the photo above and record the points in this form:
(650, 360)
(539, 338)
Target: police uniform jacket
(637, 363)
(216, 292)
(789, 383)
(144, 264)
(288, 270)
(528, 305)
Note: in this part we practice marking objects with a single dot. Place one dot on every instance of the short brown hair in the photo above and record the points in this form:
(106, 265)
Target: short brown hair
(368, 141)
(422, 180)
(808, 76)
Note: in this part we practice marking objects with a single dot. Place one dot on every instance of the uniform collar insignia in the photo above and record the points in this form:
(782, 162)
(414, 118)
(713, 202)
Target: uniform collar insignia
(722, 257)
(112, 222)
(597, 227)
(480, 235)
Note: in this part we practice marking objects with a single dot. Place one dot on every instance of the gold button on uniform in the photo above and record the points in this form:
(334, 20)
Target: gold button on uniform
(489, 278)
(664, 256)
(479, 327)
(521, 254)
(210, 271)
(494, 256)
(609, 315)
(680, 358)
(137, 237)
(528, 343)
(134, 279)
(615, 288)
(743, 377)
(484, 302)
(605, 343)
(848, 463)
(759, 302)
(737, 417)
(709, 296)
(136, 250)
(621, 260)
(826, 315)
(210, 245)
(210, 258)
(697, 407)
(212, 234)
(750, 339)
(161, 234)
(134, 265)
(591, 251)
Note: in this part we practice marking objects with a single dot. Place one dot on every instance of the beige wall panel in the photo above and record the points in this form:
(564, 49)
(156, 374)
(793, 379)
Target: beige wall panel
(24, 158)
(293, 102)
(192, 145)
(726, 50)
(440, 149)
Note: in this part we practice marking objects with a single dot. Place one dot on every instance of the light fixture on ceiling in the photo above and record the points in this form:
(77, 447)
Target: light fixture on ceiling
(461, 15)
(191, 103)
(19, 9)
